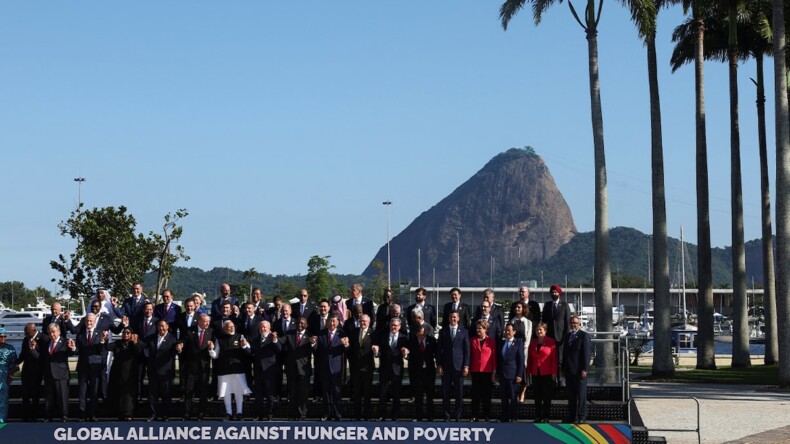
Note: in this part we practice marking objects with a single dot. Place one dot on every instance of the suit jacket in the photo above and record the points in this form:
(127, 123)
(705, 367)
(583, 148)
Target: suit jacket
(329, 353)
(453, 353)
(160, 359)
(576, 353)
(463, 310)
(195, 356)
(90, 353)
(146, 330)
(298, 354)
(309, 309)
(367, 306)
(534, 314)
(54, 364)
(543, 359)
(281, 330)
(216, 306)
(314, 323)
(391, 359)
(31, 362)
(181, 323)
(497, 314)
(428, 311)
(495, 326)
(104, 322)
(418, 356)
(168, 314)
(558, 323)
(66, 327)
(482, 358)
(360, 354)
(250, 332)
(133, 308)
(264, 354)
(510, 360)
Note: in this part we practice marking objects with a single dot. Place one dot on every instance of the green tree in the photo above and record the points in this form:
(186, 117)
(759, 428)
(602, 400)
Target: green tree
(319, 281)
(166, 254)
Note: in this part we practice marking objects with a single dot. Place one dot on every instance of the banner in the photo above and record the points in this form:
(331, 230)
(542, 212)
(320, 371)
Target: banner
(319, 432)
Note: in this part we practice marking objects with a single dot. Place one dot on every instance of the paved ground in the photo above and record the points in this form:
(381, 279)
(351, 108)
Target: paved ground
(728, 413)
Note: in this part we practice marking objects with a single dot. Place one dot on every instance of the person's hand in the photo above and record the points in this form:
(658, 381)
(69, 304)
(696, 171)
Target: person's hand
(67, 315)
(584, 374)
(71, 345)
(211, 345)
(134, 339)
(243, 341)
(313, 339)
(518, 379)
(179, 347)
(274, 336)
(125, 320)
(375, 350)
(114, 301)
(441, 370)
(404, 351)
(466, 371)
(105, 336)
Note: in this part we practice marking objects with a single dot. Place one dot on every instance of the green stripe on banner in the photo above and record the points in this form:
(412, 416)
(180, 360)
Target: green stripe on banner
(3, 425)
(558, 433)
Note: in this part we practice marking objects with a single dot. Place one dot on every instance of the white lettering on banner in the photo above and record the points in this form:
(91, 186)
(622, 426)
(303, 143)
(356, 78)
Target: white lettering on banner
(453, 434)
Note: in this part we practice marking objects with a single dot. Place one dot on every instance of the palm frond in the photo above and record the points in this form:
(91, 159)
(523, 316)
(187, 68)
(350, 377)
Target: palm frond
(508, 10)
(539, 7)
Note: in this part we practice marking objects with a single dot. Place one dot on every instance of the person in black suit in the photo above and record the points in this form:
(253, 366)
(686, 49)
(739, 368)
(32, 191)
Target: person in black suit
(53, 351)
(575, 367)
(60, 318)
(360, 354)
(248, 326)
(463, 310)
(329, 355)
(226, 314)
(355, 298)
(146, 331)
(299, 349)
(91, 357)
(31, 373)
(418, 319)
(534, 308)
(319, 320)
(161, 351)
(428, 310)
(216, 304)
(392, 350)
(196, 361)
(495, 315)
(103, 322)
(452, 359)
(304, 308)
(422, 370)
(264, 351)
(187, 319)
(383, 311)
(510, 371)
(351, 325)
(168, 311)
(282, 325)
(133, 305)
(494, 323)
(557, 317)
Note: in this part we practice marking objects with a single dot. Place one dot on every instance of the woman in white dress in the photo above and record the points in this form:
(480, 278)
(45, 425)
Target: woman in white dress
(523, 328)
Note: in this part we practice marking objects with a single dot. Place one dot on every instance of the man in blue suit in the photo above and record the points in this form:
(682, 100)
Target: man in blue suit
(575, 366)
(510, 370)
(330, 351)
(453, 364)
(392, 349)
(216, 304)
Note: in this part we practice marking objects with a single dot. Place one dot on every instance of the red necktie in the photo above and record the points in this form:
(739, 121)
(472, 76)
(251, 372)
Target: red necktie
(331, 335)
(422, 346)
(89, 337)
(298, 339)
(52, 348)
(200, 344)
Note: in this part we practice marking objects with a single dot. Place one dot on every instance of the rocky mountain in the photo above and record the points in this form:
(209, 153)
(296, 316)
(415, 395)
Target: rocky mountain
(510, 210)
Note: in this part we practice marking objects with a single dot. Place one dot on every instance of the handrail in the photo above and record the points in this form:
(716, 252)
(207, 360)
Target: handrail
(697, 430)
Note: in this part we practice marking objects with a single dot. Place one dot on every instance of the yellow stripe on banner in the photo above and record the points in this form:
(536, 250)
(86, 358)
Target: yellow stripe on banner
(594, 435)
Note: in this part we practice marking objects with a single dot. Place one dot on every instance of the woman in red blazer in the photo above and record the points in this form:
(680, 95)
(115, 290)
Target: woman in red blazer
(542, 368)
(482, 366)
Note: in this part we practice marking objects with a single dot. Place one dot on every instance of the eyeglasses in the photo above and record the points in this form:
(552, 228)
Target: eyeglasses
(2, 336)
(575, 322)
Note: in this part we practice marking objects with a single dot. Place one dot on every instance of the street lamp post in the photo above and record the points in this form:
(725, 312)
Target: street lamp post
(79, 181)
(387, 204)
(458, 255)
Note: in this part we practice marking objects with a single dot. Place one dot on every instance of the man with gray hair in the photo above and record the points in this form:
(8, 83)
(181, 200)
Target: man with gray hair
(392, 350)
(361, 352)
(417, 319)
(355, 298)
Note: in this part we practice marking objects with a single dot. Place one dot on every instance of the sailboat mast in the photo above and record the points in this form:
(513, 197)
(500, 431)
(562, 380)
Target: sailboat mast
(683, 273)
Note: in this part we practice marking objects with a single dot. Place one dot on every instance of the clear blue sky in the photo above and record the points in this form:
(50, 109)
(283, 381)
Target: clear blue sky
(282, 126)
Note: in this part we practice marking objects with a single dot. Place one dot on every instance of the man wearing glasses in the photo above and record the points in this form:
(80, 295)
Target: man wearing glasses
(494, 315)
(575, 367)
(534, 307)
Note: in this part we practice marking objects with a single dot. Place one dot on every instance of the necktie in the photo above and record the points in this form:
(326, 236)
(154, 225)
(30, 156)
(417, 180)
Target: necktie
(298, 339)
(159, 344)
(249, 324)
(452, 333)
(52, 348)
(322, 323)
(189, 320)
(301, 309)
(331, 336)
(147, 325)
(285, 325)
(393, 342)
(554, 309)
(90, 336)
(361, 337)
(507, 345)
(422, 345)
(455, 307)
(200, 341)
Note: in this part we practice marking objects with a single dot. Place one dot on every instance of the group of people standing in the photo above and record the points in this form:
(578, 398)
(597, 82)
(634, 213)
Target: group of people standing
(231, 349)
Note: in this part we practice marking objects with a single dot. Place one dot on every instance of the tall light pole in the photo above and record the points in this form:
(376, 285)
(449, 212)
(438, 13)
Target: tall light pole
(458, 255)
(387, 204)
(79, 181)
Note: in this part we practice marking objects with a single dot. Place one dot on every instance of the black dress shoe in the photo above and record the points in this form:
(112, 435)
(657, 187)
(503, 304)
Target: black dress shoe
(230, 418)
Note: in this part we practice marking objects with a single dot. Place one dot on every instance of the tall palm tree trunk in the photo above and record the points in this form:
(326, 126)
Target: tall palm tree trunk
(782, 193)
(740, 338)
(662, 325)
(769, 295)
(603, 279)
(705, 353)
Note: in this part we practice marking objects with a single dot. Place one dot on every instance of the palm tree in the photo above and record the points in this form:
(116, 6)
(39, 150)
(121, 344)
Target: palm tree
(603, 278)
(782, 191)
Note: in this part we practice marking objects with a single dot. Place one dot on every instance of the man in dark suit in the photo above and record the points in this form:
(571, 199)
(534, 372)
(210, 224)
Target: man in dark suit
(304, 308)
(226, 314)
(319, 320)
(557, 316)
(452, 358)
(249, 321)
(31, 373)
(216, 304)
(90, 363)
(103, 322)
(145, 329)
(361, 352)
(186, 319)
(355, 298)
(494, 323)
(422, 370)
(53, 352)
(463, 310)
(383, 312)
(330, 351)
(299, 348)
(575, 367)
(60, 318)
(495, 315)
(418, 319)
(134, 304)
(161, 352)
(428, 310)
(196, 360)
(284, 324)
(534, 308)
(510, 371)
(264, 351)
(168, 311)
(392, 350)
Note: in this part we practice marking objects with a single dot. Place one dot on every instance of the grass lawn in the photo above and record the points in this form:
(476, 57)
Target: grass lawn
(756, 375)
